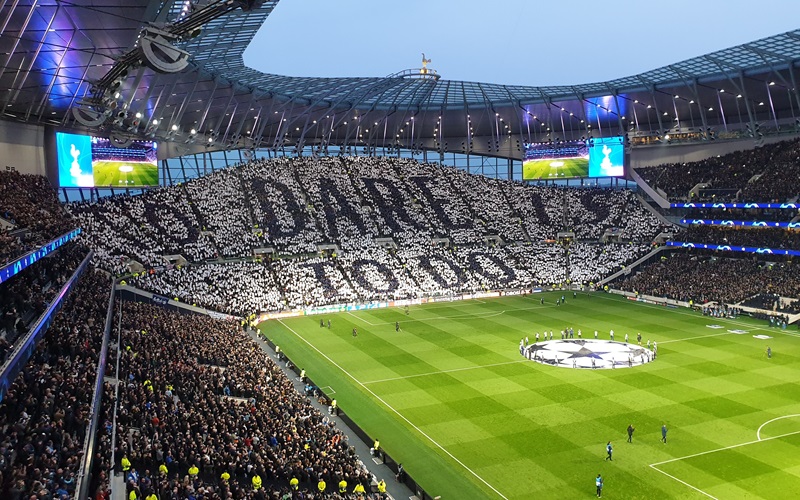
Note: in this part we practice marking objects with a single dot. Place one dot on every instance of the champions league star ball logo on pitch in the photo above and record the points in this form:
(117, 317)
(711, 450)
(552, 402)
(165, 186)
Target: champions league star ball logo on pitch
(587, 353)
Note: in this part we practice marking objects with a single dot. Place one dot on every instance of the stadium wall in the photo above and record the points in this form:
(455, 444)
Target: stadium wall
(646, 156)
(22, 147)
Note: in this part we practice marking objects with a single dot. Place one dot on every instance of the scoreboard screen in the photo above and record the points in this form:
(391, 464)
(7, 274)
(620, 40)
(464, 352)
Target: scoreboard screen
(86, 161)
(601, 157)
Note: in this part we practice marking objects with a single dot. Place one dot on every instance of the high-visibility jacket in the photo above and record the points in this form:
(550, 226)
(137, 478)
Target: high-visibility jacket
(163, 469)
(256, 482)
(193, 470)
(359, 488)
(225, 476)
(126, 464)
(342, 486)
(381, 486)
(294, 483)
(321, 485)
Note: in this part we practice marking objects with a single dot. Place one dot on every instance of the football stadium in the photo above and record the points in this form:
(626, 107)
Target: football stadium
(218, 282)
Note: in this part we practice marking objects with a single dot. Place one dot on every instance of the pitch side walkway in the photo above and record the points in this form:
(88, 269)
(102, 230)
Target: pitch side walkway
(393, 488)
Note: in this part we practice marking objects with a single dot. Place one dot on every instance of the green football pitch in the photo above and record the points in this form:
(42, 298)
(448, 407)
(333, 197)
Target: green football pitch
(451, 398)
(554, 169)
(124, 174)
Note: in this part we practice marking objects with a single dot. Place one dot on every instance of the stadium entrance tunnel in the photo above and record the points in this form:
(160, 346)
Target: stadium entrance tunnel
(587, 353)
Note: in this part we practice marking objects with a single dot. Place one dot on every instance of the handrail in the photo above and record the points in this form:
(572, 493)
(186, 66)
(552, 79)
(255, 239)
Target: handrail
(84, 476)
(24, 350)
(15, 267)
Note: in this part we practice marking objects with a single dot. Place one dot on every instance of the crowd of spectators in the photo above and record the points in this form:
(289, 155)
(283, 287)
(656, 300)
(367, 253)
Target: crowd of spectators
(44, 415)
(236, 288)
(773, 302)
(199, 399)
(700, 279)
(775, 238)
(294, 205)
(375, 274)
(26, 296)
(30, 204)
(764, 174)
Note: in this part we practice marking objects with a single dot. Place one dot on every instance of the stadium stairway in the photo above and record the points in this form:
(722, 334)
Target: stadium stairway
(631, 267)
(395, 489)
(653, 211)
(660, 200)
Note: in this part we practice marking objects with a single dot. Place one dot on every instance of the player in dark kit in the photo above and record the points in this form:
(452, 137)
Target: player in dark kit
(664, 433)
(609, 450)
(355, 333)
(631, 428)
(397, 326)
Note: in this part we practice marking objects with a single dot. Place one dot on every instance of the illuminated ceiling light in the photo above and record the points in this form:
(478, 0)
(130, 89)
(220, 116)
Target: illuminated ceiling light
(665, 113)
(677, 96)
(649, 106)
(315, 121)
(691, 102)
(581, 121)
(721, 91)
(193, 131)
(116, 96)
(174, 128)
(666, 137)
(711, 109)
(155, 122)
(771, 83)
(623, 117)
(138, 115)
(738, 96)
(761, 103)
(636, 101)
(571, 114)
(210, 139)
(297, 129)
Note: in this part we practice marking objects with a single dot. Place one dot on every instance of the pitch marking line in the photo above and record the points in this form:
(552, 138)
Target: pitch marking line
(758, 432)
(759, 440)
(441, 318)
(695, 338)
(693, 314)
(390, 407)
(683, 482)
(444, 371)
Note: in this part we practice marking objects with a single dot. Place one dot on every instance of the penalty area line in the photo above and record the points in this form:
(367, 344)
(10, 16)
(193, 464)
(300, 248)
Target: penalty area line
(695, 488)
(393, 410)
(759, 440)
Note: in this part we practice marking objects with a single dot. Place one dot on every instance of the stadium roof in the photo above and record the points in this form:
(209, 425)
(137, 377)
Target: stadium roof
(92, 60)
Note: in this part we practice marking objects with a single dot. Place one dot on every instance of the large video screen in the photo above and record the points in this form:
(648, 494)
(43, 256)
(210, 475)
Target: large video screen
(603, 157)
(556, 161)
(607, 157)
(85, 161)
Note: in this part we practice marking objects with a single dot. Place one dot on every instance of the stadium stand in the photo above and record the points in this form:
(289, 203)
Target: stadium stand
(764, 174)
(31, 205)
(44, 415)
(189, 373)
(702, 278)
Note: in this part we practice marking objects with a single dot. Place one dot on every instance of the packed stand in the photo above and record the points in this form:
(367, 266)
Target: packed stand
(777, 165)
(26, 296)
(208, 414)
(767, 215)
(376, 274)
(316, 281)
(144, 227)
(296, 204)
(222, 207)
(45, 414)
(700, 279)
(773, 302)
(741, 236)
(29, 202)
(236, 288)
